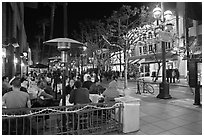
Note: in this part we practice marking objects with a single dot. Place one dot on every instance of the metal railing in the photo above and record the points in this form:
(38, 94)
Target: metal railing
(79, 119)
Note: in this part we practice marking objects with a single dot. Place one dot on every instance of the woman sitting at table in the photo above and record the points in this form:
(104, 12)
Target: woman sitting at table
(41, 91)
(43, 98)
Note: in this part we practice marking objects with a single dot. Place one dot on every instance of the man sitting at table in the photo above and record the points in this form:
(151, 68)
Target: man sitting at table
(79, 95)
(16, 98)
(87, 84)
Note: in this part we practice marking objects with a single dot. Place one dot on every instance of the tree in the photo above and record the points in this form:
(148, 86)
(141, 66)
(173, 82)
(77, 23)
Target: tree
(43, 23)
(91, 32)
(119, 24)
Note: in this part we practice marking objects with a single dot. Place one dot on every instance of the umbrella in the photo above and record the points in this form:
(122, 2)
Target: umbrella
(38, 65)
(54, 42)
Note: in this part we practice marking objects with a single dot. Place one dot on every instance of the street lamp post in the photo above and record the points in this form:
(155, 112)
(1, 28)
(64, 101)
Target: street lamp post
(164, 86)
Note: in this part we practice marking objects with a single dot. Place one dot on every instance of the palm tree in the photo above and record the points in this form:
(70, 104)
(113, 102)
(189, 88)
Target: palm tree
(43, 23)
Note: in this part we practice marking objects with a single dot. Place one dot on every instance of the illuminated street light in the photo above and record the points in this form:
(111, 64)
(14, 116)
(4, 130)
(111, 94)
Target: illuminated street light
(164, 86)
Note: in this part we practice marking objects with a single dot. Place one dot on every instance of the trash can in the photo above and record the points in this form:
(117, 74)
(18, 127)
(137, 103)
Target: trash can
(130, 113)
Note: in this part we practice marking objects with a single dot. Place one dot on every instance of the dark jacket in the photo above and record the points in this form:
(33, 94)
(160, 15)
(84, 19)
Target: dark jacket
(79, 96)
(87, 84)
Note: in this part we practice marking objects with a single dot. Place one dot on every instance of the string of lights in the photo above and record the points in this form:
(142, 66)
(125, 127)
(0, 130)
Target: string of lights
(59, 111)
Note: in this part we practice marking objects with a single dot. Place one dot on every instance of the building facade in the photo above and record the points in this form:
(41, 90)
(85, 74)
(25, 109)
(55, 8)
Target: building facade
(14, 39)
(149, 53)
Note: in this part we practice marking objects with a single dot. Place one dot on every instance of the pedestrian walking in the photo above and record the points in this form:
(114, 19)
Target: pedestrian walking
(170, 75)
(177, 75)
(173, 75)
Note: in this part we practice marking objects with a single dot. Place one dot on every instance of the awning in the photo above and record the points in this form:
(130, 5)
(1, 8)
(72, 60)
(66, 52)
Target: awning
(134, 61)
(151, 57)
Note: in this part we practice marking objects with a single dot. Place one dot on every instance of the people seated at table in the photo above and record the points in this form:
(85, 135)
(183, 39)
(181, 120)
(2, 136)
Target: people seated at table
(112, 91)
(15, 76)
(87, 84)
(96, 88)
(42, 99)
(70, 86)
(41, 91)
(79, 95)
(68, 90)
(5, 85)
(16, 98)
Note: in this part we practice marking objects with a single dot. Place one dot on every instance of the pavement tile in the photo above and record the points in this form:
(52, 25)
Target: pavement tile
(150, 119)
(174, 113)
(182, 131)
(194, 127)
(142, 114)
(164, 124)
(166, 133)
(142, 122)
(178, 121)
(163, 116)
(137, 133)
(190, 118)
(151, 129)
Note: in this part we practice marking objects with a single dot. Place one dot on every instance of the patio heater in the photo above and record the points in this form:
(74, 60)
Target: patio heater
(63, 47)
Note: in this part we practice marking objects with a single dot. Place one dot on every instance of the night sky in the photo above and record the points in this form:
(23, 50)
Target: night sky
(77, 12)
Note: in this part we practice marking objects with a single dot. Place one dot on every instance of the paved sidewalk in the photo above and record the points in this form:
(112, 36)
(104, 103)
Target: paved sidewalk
(176, 116)
(183, 82)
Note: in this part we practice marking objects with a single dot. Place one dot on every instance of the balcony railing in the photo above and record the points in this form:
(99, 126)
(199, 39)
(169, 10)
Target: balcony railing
(78, 119)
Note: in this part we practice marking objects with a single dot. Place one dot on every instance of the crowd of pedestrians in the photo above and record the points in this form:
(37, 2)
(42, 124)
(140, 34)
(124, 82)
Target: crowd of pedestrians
(172, 75)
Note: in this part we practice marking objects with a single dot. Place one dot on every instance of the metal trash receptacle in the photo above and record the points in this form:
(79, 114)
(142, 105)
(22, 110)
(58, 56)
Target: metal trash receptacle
(130, 113)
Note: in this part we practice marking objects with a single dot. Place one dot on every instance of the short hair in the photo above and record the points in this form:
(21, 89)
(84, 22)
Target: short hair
(41, 84)
(4, 77)
(115, 77)
(18, 74)
(88, 77)
(16, 82)
(78, 84)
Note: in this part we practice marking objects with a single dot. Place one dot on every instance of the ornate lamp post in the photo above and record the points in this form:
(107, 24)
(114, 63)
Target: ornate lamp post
(164, 86)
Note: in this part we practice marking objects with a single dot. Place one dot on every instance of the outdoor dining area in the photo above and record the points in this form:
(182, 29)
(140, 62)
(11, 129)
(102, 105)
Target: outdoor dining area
(52, 113)
(48, 115)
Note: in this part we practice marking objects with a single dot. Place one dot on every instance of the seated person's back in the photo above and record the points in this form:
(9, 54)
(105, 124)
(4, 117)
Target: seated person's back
(16, 98)
(87, 84)
(79, 95)
(112, 91)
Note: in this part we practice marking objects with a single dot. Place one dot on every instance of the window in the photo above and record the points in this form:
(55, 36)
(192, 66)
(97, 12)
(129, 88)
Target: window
(168, 45)
(150, 49)
(155, 47)
(140, 49)
(145, 49)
